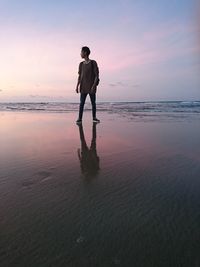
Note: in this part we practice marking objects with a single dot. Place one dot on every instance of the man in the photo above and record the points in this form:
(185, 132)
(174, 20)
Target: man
(89, 160)
(87, 83)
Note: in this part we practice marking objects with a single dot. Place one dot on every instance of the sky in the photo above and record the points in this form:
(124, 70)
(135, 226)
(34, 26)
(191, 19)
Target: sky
(145, 50)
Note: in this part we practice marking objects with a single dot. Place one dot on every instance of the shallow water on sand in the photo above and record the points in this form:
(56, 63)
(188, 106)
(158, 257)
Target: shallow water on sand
(119, 193)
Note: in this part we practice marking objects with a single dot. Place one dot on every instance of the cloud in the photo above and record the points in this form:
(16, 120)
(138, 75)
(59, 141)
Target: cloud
(36, 96)
(1, 90)
(162, 43)
(118, 84)
(46, 62)
(123, 84)
(47, 97)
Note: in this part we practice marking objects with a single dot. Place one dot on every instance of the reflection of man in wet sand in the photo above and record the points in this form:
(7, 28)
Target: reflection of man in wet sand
(88, 157)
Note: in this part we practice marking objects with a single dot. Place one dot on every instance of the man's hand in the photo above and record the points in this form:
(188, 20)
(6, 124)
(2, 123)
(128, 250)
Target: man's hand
(77, 89)
(92, 89)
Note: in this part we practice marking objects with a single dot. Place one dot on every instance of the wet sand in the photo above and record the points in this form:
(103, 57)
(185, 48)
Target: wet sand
(118, 193)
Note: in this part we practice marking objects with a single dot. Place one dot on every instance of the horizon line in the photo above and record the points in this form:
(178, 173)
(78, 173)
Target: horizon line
(67, 102)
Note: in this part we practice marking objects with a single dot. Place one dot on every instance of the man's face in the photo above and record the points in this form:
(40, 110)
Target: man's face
(83, 54)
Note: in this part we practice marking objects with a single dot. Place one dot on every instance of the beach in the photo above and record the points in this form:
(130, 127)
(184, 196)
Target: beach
(123, 192)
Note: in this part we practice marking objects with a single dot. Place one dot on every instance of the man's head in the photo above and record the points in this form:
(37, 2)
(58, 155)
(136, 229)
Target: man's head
(85, 52)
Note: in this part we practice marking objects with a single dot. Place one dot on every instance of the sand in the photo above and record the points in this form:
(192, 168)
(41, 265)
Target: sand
(119, 193)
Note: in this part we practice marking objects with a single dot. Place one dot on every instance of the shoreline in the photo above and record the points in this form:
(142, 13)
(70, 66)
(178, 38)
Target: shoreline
(72, 190)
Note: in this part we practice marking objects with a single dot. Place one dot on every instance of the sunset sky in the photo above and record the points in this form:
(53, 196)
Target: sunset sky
(146, 50)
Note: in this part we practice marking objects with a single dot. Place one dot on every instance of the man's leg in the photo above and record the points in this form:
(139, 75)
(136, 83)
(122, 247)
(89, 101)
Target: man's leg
(82, 138)
(81, 106)
(94, 135)
(93, 102)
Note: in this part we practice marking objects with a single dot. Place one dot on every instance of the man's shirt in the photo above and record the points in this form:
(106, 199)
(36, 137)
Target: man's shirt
(87, 74)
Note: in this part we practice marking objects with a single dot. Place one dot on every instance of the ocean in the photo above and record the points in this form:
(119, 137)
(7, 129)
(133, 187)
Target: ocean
(137, 111)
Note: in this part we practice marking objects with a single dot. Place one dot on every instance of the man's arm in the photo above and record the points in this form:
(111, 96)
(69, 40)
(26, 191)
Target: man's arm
(79, 78)
(96, 72)
(77, 86)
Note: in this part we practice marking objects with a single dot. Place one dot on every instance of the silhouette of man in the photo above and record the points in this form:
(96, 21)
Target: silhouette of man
(88, 79)
(89, 160)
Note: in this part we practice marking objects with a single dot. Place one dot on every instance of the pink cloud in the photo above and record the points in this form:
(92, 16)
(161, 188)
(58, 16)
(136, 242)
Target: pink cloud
(52, 59)
(163, 43)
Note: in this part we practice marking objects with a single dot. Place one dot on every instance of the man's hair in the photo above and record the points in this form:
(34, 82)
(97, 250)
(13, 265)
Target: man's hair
(86, 50)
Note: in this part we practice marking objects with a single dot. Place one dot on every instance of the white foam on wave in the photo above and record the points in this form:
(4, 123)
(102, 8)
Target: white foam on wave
(116, 107)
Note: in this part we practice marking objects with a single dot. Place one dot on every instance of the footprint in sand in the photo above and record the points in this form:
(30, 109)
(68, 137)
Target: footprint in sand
(44, 175)
(37, 178)
(80, 239)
